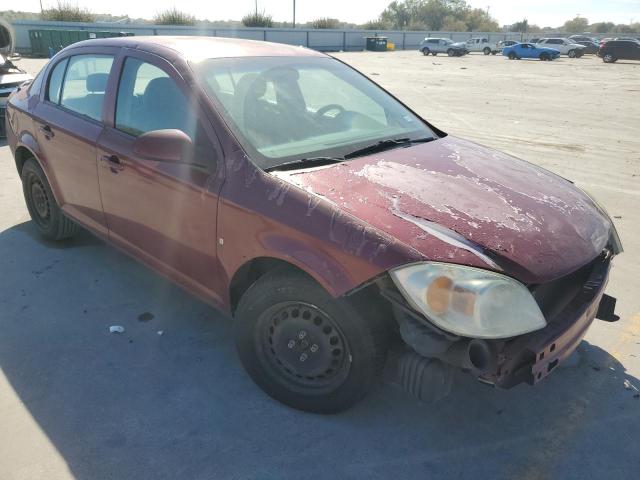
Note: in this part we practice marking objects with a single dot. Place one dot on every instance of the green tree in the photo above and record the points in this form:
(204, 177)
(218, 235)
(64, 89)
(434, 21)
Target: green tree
(375, 25)
(602, 27)
(577, 25)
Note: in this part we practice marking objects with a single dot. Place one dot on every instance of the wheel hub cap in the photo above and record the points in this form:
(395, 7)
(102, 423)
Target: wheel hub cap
(40, 201)
(304, 344)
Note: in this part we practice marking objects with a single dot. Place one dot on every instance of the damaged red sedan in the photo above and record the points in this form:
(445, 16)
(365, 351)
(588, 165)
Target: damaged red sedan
(334, 224)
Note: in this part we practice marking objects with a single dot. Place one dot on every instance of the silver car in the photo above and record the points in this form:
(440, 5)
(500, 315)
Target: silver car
(435, 46)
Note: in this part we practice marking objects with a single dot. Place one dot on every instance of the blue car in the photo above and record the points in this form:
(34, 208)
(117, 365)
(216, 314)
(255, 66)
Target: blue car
(529, 50)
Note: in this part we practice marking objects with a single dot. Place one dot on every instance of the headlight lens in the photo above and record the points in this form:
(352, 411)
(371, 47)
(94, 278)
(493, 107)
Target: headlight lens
(469, 301)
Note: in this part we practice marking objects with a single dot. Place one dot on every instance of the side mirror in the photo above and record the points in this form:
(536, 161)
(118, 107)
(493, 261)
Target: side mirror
(169, 145)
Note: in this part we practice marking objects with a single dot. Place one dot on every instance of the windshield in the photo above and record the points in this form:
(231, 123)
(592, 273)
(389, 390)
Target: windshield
(288, 108)
(448, 42)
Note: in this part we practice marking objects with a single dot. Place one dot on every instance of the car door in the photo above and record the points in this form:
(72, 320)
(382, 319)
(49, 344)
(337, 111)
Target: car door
(68, 122)
(162, 212)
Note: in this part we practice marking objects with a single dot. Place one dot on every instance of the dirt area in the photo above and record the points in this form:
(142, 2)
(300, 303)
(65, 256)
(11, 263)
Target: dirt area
(79, 402)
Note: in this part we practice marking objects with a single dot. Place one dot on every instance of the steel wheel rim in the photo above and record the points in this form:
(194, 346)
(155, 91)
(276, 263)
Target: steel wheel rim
(39, 200)
(302, 347)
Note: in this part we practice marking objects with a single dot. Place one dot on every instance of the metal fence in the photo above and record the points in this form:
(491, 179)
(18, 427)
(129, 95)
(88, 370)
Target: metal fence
(324, 40)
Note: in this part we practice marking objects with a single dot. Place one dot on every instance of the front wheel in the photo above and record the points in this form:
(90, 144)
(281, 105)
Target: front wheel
(425, 51)
(572, 54)
(512, 56)
(43, 209)
(544, 57)
(487, 50)
(305, 348)
(451, 52)
(608, 58)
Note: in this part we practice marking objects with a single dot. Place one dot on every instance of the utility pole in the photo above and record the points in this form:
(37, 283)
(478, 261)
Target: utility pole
(40, 6)
(294, 13)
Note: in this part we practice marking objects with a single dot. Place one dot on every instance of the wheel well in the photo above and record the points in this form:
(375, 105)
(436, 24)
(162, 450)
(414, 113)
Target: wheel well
(22, 155)
(250, 272)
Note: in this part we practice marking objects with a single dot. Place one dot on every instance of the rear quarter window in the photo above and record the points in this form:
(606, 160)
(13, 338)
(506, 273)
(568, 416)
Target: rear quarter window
(54, 85)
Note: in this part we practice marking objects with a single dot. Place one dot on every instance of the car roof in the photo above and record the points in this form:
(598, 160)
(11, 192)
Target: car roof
(197, 47)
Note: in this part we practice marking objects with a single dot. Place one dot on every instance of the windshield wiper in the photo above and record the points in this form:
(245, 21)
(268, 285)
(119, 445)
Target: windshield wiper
(306, 163)
(388, 144)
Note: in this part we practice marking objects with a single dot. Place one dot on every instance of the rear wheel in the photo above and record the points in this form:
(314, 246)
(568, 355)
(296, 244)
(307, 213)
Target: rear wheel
(425, 51)
(451, 52)
(434, 53)
(572, 54)
(544, 57)
(305, 348)
(608, 58)
(487, 50)
(42, 206)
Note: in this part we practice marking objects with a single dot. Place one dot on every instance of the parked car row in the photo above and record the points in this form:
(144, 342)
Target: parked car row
(545, 49)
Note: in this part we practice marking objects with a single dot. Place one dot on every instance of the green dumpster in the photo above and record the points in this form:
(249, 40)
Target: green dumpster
(376, 44)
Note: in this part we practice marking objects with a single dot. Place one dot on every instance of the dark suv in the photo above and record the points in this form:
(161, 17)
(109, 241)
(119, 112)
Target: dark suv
(619, 50)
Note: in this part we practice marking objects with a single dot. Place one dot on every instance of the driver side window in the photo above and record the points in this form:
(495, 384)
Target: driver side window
(149, 99)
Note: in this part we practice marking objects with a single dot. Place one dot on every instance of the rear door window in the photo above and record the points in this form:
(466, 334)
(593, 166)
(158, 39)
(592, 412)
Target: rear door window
(85, 83)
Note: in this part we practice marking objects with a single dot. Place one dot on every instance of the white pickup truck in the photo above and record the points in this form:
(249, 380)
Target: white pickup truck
(564, 45)
(480, 45)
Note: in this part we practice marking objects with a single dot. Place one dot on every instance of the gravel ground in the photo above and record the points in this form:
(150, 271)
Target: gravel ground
(78, 402)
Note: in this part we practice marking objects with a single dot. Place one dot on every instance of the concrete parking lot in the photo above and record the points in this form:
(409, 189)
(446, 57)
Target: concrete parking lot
(79, 402)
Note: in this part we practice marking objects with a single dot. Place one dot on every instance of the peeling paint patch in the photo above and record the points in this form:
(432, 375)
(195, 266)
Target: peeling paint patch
(444, 234)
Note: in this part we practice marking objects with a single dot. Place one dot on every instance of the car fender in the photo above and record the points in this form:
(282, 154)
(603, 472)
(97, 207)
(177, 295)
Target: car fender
(267, 215)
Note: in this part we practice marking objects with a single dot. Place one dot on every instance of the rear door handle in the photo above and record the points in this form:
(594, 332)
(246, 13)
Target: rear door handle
(46, 131)
(114, 162)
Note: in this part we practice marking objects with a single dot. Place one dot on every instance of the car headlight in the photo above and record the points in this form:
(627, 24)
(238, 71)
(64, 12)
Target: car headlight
(469, 301)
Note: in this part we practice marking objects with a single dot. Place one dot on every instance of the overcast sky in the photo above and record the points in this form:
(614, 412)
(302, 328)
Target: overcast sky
(541, 12)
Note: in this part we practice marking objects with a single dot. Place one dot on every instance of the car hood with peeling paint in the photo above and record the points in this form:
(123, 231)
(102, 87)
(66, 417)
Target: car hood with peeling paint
(453, 200)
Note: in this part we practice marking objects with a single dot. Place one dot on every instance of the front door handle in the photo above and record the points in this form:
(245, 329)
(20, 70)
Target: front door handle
(114, 162)
(46, 131)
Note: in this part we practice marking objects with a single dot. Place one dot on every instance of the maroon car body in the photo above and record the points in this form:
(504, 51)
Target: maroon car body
(215, 228)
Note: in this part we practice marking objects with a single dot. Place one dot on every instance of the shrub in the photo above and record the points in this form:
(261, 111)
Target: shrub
(173, 16)
(256, 19)
(65, 11)
(325, 23)
(375, 25)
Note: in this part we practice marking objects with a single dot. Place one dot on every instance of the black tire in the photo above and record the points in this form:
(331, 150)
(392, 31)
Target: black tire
(43, 209)
(494, 52)
(487, 50)
(512, 56)
(579, 53)
(281, 317)
(451, 52)
(434, 53)
(572, 54)
(608, 58)
(545, 57)
(425, 51)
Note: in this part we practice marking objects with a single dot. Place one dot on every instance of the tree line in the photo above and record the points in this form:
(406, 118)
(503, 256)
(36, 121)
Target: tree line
(442, 15)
